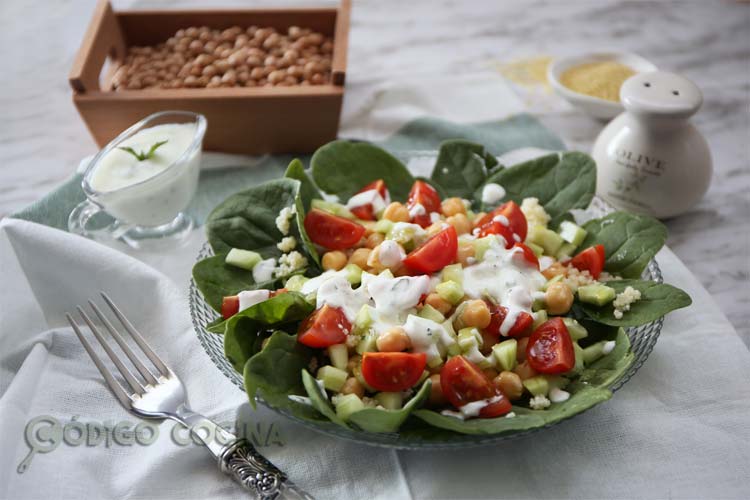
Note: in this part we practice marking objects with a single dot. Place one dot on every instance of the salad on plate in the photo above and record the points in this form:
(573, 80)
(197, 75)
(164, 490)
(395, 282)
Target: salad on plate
(479, 301)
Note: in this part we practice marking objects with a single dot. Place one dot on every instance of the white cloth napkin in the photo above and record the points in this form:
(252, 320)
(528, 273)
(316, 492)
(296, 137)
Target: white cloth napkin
(678, 429)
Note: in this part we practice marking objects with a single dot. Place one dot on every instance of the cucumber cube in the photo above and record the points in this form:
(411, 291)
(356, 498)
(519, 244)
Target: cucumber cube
(367, 344)
(549, 240)
(540, 317)
(429, 312)
(333, 379)
(556, 381)
(505, 354)
(576, 331)
(453, 272)
(332, 208)
(538, 251)
(348, 404)
(244, 259)
(339, 355)
(450, 291)
(295, 283)
(386, 273)
(481, 246)
(554, 279)
(383, 226)
(572, 233)
(566, 251)
(537, 386)
(353, 273)
(593, 352)
(363, 319)
(468, 337)
(358, 375)
(452, 348)
(390, 400)
(596, 294)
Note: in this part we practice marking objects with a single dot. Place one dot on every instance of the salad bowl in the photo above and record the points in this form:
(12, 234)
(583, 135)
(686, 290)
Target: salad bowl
(414, 433)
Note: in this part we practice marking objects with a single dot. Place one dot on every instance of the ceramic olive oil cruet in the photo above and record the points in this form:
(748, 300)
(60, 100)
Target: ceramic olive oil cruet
(651, 159)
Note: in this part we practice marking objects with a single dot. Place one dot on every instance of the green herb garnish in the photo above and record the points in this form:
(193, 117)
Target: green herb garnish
(140, 156)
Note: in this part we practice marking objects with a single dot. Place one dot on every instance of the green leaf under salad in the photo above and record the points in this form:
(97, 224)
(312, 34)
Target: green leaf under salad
(461, 167)
(657, 299)
(561, 182)
(342, 168)
(307, 191)
(630, 241)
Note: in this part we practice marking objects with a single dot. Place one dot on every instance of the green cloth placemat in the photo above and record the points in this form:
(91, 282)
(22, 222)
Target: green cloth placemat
(216, 184)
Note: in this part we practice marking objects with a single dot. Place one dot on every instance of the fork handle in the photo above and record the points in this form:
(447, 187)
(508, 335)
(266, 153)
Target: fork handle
(239, 459)
(255, 473)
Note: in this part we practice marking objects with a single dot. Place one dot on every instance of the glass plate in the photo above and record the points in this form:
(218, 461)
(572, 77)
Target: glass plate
(642, 339)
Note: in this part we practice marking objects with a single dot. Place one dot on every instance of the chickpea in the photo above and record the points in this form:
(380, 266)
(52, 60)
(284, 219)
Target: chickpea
(315, 38)
(373, 261)
(256, 73)
(294, 32)
(276, 76)
(453, 206)
(396, 212)
(460, 222)
(559, 298)
(524, 370)
(335, 260)
(374, 239)
(393, 340)
(434, 229)
(353, 386)
(353, 363)
(437, 398)
(359, 257)
(553, 270)
(318, 79)
(521, 349)
(475, 313)
(510, 384)
(438, 303)
(465, 253)
(195, 47)
(327, 47)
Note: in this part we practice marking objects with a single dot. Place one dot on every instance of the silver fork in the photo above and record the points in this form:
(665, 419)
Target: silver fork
(159, 394)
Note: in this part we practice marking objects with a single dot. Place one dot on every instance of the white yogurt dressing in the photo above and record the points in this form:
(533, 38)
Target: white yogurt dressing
(119, 169)
(471, 409)
(492, 193)
(338, 292)
(249, 298)
(393, 296)
(151, 199)
(390, 253)
(507, 279)
(263, 270)
(425, 335)
(416, 210)
(369, 197)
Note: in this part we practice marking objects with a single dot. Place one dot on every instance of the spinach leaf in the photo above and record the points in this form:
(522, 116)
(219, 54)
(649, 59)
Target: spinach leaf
(380, 420)
(343, 167)
(275, 370)
(461, 167)
(606, 370)
(561, 182)
(216, 280)
(281, 309)
(247, 219)
(525, 419)
(319, 399)
(657, 299)
(630, 241)
(300, 232)
(307, 191)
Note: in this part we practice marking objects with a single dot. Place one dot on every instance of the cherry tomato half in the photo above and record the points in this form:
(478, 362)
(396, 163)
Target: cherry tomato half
(392, 371)
(462, 382)
(230, 306)
(331, 231)
(367, 212)
(423, 194)
(526, 255)
(591, 260)
(515, 218)
(324, 327)
(497, 315)
(435, 253)
(550, 349)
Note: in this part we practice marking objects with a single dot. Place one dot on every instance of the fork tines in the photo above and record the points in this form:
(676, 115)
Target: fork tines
(137, 387)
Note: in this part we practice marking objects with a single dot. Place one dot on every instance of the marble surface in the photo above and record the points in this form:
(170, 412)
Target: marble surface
(42, 137)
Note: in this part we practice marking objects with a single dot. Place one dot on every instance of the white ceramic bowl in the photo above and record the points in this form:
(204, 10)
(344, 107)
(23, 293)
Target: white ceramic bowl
(594, 106)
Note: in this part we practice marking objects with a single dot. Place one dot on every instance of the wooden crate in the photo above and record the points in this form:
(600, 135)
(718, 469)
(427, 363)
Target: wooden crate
(248, 120)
